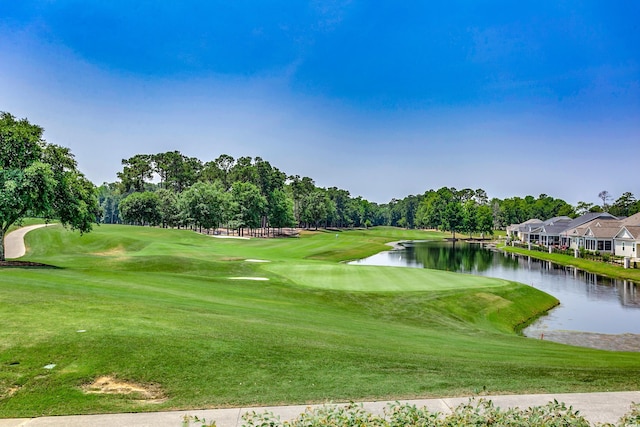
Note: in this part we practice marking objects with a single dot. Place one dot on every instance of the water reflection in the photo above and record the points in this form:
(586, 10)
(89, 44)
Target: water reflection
(589, 303)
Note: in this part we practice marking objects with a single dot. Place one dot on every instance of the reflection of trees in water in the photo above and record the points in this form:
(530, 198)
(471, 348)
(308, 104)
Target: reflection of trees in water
(461, 257)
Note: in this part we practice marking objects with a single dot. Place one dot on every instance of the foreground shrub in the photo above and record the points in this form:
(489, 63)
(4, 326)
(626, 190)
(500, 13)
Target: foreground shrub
(479, 413)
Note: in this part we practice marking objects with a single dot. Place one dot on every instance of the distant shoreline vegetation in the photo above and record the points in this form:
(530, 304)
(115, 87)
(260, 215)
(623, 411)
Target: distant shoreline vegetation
(250, 194)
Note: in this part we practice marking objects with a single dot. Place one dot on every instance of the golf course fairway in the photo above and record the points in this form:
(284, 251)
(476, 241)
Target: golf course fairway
(147, 319)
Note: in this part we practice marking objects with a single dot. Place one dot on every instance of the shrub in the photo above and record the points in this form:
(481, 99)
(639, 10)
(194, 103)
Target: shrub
(480, 412)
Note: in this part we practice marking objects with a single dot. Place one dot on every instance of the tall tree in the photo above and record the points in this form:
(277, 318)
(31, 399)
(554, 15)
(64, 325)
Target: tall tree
(37, 178)
(624, 205)
(605, 197)
(280, 209)
(315, 208)
(583, 207)
(204, 205)
(168, 207)
(470, 217)
(136, 172)
(248, 205)
(453, 217)
(140, 209)
(485, 220)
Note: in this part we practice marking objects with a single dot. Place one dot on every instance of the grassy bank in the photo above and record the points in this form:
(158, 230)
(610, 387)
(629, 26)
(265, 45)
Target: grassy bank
(176, 314)
(601, 268)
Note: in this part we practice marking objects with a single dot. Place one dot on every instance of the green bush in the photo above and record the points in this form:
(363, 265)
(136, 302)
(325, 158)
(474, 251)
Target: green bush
(479, 413)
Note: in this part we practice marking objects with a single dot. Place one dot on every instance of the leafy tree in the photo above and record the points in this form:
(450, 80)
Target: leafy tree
(137, 170)
(204, 205)
(243, 171)
(248, 205)
(470, 216)
(624, 206)
(280, 209)
(219, 170)
(583, 207)
(300, 188)
(342, 202)
(485, 220)
(453, 217)
(140, 209)
(168, 207)
(37, 178)
(109, 198)
(432, 208)
(177, 172)
(315, 208)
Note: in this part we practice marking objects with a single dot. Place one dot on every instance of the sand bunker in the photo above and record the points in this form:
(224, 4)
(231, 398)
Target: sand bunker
(248, 278)
(256, 260)
(109, 385)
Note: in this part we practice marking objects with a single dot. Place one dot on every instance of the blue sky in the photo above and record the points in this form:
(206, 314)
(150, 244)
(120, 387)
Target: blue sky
(383, 99)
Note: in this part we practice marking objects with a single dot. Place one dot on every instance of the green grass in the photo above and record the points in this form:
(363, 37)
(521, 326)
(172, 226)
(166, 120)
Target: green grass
(160, 308)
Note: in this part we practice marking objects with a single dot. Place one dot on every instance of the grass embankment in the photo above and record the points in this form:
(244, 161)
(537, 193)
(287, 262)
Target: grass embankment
(601, 268)
(160, 309)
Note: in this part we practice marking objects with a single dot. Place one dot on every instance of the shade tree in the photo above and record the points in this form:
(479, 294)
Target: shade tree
(140, 209)
(40, 179)
(204, 205)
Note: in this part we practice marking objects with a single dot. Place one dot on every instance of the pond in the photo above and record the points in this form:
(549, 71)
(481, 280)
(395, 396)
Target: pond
(589, 304)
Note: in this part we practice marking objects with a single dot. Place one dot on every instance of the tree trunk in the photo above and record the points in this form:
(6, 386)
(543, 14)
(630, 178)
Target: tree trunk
(2, 245)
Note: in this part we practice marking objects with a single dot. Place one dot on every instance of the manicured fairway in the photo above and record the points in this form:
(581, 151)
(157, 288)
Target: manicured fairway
(176, 314)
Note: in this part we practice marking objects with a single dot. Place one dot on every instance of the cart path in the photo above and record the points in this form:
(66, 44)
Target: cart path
(14, 246)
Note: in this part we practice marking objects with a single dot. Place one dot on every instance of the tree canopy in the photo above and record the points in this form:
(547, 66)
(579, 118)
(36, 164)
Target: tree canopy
(40, 179)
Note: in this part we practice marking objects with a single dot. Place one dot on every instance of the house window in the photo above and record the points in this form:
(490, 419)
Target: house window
(607, 245)
(600, 245)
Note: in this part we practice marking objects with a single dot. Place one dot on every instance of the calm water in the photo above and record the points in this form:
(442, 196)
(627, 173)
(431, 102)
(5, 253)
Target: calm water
(588, 303)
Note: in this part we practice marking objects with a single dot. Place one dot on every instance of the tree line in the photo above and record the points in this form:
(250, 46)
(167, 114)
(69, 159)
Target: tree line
(245, 194)
(42, 179)
(249, 193)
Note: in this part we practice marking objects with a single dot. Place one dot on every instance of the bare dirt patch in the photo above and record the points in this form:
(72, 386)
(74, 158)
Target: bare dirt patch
(118, 250)
(149, 393)
(8, 392)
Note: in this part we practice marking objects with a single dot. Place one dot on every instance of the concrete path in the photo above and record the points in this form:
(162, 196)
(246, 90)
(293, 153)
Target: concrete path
(14, 242)
(596, 407)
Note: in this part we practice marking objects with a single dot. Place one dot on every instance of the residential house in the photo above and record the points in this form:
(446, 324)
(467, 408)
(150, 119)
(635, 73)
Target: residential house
(573, 236)
(627, 240)
(522, 231)
(548, 233)
(599, 234)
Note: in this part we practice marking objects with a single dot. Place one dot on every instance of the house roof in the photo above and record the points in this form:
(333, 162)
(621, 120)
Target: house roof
(526, 226)
(590, 216)
(633, 220)
(555, 229)
(603, 229)
(633, 230)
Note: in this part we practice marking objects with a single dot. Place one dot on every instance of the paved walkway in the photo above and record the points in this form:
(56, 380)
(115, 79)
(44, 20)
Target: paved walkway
(14, 242)
(596, 407)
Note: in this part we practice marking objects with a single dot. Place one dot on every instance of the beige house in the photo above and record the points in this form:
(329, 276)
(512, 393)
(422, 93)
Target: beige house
(599, 235)
(522, 231)
(573, 236)
(627, 240)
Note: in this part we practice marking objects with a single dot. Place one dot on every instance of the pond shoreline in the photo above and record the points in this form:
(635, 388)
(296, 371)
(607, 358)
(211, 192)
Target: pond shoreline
(598, 339)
